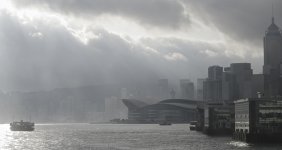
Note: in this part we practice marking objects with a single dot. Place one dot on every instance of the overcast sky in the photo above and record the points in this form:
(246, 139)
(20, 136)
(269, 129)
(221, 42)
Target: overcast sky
(47, 44)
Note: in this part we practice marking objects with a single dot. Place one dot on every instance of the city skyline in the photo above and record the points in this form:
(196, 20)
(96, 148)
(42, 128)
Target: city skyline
(76, 43)
(133, 74)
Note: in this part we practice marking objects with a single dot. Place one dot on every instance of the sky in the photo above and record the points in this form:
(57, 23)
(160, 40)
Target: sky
(46, 44)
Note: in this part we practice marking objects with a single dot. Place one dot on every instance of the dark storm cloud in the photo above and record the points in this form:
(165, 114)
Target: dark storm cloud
(166, 13)
(57, 59)
(243, 20)
(49, 57)
(40, 55)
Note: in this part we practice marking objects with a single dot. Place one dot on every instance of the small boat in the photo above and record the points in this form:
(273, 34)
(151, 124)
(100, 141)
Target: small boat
(193, 125)
(22, 126)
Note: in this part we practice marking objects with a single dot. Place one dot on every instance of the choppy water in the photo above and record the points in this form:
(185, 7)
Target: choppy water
(117, 137)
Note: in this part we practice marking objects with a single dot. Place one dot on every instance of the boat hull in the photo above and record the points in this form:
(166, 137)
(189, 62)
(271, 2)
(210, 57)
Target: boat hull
(21, 129)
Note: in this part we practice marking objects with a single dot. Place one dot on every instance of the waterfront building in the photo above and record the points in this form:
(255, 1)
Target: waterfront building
(170, 110)
(218, 118)
(258, 120)
(272, 61)
(133, 106)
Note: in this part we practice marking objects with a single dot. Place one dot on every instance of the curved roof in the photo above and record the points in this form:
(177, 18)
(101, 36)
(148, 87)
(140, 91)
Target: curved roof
(169, 105)
(133, 104)
(180, 101)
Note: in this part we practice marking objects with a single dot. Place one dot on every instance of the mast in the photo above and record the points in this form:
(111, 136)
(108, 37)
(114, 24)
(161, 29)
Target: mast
(272, 13)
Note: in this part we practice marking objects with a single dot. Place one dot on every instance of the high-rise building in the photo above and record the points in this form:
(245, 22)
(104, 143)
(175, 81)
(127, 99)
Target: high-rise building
(272, 61)
(228, 84)
(233, 83)
(187, 89)
(215, 72)
(212, 90)
(200, 89)
(237, 81)
(243, 80)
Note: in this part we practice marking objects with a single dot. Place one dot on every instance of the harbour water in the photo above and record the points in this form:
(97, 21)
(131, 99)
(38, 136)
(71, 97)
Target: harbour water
(118, 137)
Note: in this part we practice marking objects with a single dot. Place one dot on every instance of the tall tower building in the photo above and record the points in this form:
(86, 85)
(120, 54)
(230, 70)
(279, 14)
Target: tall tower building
(272, 61)
(187, 89)
(215, 72)
(212, 87)
(242, 75)
(200, 89)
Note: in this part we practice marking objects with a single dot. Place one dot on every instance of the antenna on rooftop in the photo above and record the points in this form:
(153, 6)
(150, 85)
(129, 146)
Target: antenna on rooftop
(272, 12)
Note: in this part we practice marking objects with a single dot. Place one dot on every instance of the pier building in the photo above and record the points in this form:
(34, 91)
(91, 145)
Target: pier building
(258, 120)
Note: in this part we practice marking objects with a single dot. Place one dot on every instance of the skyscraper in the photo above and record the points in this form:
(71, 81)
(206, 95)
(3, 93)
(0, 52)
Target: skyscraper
(215, 72)
(212, 90)
(200, 88)
(187, 89)
(272, 60)
(242, 75)
(235, 82)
